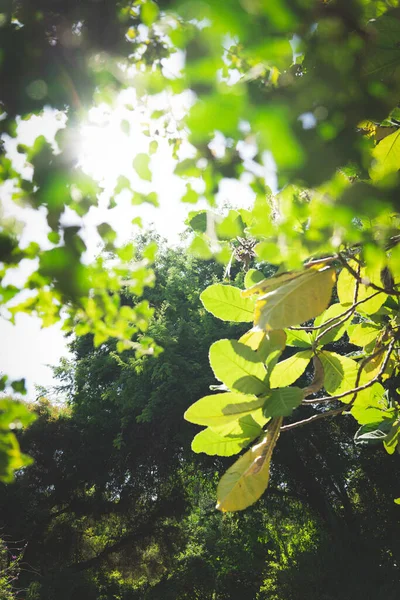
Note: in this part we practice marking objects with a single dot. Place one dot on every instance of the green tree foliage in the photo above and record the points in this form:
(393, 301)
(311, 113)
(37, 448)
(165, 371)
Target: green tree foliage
(315, 85)
(116, 504)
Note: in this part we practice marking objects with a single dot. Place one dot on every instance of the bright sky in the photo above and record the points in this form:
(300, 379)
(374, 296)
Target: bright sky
(105, 152)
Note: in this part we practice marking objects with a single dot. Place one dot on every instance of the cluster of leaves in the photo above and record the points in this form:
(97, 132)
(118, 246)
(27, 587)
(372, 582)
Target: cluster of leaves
(260, 386)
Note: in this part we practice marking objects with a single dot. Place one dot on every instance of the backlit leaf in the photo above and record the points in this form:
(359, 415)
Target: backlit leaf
(252, 278)
(282, 402)
(346, 289)
(335, 310)
(298, 338)
(218, 409)
(225, 302)
(238, 367)
(340, 373)
(248, 478)
(212, 443)
(295, 301)
(289, 370)
(387, 156)
(364, 334)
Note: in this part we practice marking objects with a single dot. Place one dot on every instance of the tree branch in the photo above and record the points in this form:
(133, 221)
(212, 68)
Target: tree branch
(338, 411)
(356, 276)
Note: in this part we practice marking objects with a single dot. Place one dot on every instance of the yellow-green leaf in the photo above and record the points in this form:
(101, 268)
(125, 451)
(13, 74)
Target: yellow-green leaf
(335, 310)
(238, 367)
(253, 277)
(211, 442)
(363, 334)
(282, 401)
(289, 370)
(346, 289)
(271, 283)
(246, 481)
(298, 338)
(340, 373)
(218, 409)
(387, 156)
(371, 405)
(296, 301)
(226, 303)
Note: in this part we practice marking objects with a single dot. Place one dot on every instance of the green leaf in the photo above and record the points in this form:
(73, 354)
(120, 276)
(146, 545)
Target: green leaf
(271, 348)
(225, 302)
(283, 401)
(335, 310)
(238, 367)
(391, 441)
(197, 220)
(149, 12)
(383, 58)
(141, 165)
(346, 289)
(217, 409)
(19, 386)
(340, 373)
(13, 416)
(298, 338)
(396, 500)
(246, 480)
(211, 442)
(231, 226)
(387, 156)
(289, 370)
(373, 433)
(200, 248)
(371, 405)
(296, 301)
(363, 334)
(253, 277)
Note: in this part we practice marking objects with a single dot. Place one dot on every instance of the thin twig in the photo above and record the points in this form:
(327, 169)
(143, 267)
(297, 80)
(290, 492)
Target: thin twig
(338, 411)
(343, 314)
(329, 413)
(359, 388)
(346, 265)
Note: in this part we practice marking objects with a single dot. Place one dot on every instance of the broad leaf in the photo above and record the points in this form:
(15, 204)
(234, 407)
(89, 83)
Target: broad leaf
(219, 409)
(252, 338)
(373, 433)
(387, 156)
(253, 277)
(298, 338)
(225, 302)
(363, 334)
(335, 310)
(391, 441)
(371, 405)
(272, 347)
(248, 478)
(238, 367)
(297, 301)
(346, 289)
(289, 370)
(340, 373)
(271, 283)
(212, 443)
(283, 401)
